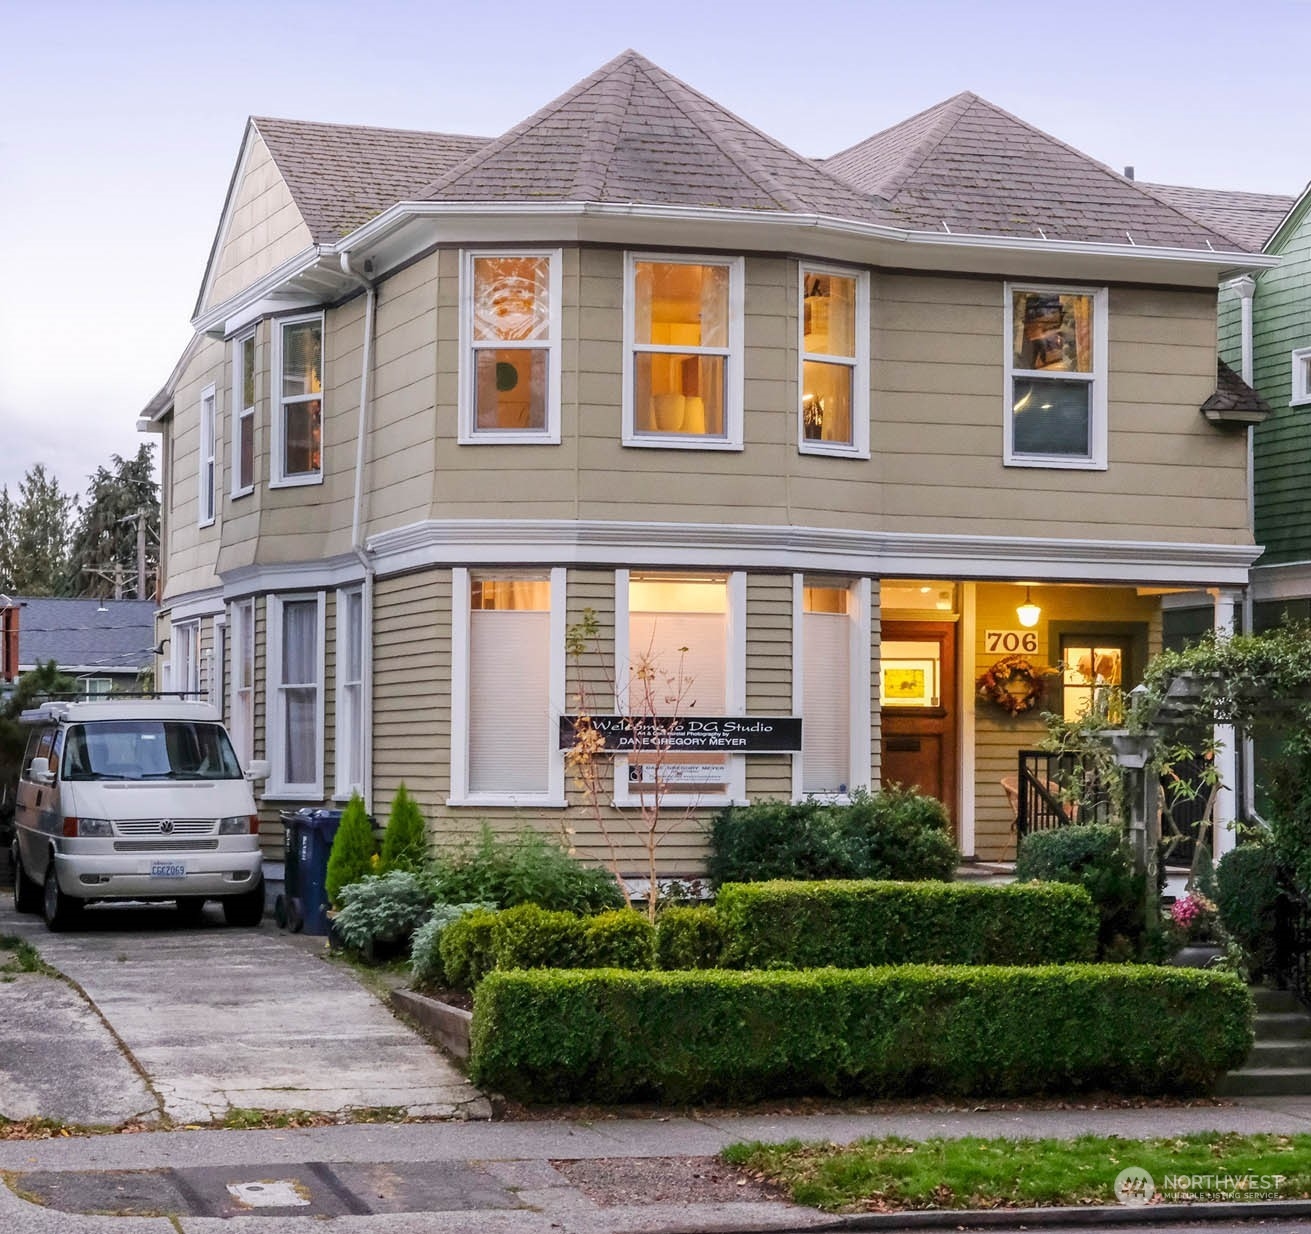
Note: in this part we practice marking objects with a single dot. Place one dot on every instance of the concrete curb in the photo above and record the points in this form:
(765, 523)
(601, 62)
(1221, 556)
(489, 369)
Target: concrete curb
(1103, 1215)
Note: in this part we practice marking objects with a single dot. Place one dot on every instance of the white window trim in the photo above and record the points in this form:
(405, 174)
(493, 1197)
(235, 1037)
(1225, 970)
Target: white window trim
(735, 696)
(469, 433)
(240, 413)
(1301, 378)
(276, 788)
(216, 664)
(182, 679)
(1097, 379)
(278, 407)
(859, 446)
(859, 688)
(342, 789)
(554, 797)
(207, 458)
(243, 612)
(733, 363)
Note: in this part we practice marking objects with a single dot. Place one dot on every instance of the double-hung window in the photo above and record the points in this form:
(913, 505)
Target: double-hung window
(242, 706)
(683, 352)
(205, 477)
(507, 652)
(243, 414)
(298, 400)
(831, 685)
(1301, 381)
(350, 692)
(834, 347)
(510, 347)
(1055, 361)
(186, 660)
(295, 697)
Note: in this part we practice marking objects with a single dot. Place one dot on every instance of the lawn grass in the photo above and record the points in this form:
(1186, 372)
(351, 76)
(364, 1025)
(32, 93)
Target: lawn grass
(877, 1175)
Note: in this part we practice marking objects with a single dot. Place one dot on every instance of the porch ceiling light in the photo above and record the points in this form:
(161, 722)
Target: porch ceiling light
(1028, 612)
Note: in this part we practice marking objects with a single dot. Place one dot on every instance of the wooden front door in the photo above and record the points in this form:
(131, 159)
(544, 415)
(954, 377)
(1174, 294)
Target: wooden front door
(918, 692)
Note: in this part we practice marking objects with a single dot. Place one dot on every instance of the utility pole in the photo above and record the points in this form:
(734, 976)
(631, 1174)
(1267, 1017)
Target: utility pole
(140, 519)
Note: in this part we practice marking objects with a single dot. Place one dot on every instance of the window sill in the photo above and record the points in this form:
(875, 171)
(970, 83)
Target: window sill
(536, 800)
(292, 792)
(297, 481)
(675, 442)
(832, 449)
(1304, 401)
(241, 492)
(681, 801)
(827, 799)
(1055, 463)
(511, 437)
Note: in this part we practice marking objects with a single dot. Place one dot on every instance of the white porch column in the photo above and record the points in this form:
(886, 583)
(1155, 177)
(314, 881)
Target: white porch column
(1226, 759)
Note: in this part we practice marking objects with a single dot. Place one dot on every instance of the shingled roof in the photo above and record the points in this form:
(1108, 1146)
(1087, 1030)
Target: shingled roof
(1234, 401)
(76, 634)
(633, 133)
(341, 175)
(1248, 219)
(968, 166)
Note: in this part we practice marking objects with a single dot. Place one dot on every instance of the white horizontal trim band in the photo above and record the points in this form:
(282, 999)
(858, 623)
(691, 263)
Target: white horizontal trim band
(1289, 581)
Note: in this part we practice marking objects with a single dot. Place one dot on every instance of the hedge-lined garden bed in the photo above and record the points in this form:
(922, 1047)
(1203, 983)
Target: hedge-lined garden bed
(857, 924)
(608, 1035)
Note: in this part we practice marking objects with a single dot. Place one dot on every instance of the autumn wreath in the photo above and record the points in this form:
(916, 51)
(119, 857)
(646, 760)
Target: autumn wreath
(1014, 684)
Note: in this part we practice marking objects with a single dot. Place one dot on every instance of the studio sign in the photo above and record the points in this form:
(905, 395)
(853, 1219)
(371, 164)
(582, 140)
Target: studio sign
(697, 734)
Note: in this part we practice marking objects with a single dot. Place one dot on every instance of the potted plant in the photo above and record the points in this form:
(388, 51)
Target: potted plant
(1193, 924)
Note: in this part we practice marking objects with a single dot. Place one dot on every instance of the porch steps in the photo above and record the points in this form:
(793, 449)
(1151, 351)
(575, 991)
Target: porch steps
(1280, 1062)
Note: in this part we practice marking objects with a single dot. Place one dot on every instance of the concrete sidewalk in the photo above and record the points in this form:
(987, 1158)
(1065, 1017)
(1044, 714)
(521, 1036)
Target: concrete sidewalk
(516, 1177)
(209, 1018)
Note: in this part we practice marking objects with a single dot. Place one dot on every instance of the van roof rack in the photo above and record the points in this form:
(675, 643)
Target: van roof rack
(55, 706)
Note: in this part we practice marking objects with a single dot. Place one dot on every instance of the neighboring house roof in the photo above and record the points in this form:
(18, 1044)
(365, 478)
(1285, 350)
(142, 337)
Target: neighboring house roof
(966, 165)
(1248, 219)
(341, 175)
(76, 635)
(1234, 400)
(633, 133)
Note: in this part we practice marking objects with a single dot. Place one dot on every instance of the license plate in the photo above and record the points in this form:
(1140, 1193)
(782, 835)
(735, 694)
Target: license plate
(167, 869)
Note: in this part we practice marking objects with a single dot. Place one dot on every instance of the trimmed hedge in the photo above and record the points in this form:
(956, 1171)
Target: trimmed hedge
(689, 938)
(607, 1036)
(468, 948)
(1248, 897)
(856, 924)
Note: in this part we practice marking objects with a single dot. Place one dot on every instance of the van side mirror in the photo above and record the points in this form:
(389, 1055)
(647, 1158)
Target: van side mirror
(39, 772)
(258, 769)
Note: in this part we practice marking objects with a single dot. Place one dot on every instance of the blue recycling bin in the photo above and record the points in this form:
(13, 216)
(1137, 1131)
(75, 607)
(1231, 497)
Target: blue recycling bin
(307, 839)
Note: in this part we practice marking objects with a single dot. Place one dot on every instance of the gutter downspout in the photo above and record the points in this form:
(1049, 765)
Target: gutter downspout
(357, 532)
(1245, 286)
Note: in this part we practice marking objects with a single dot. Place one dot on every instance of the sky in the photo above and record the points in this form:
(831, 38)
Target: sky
(120, 122)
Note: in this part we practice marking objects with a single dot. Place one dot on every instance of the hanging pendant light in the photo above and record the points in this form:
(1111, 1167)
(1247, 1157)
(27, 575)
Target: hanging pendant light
(1028, 612)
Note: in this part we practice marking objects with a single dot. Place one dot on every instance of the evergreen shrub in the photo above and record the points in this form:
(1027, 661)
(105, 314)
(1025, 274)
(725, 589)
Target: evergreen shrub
(681, 1037)
(381, 908)
(353, 848)
(467, 948)
(427, 972)
(405, 840)
(689, 938)
(1248, 897)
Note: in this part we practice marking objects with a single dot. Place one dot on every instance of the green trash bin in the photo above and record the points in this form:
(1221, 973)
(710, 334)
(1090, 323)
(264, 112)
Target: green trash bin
(307, 844)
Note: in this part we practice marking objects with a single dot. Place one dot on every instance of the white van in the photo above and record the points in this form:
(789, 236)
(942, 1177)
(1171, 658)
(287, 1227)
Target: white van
(134, 799)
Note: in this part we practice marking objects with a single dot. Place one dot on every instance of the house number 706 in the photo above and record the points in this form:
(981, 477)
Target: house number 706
(1008, 642)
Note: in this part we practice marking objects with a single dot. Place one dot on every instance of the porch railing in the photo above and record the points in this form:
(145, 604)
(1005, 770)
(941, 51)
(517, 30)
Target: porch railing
(1042, 798)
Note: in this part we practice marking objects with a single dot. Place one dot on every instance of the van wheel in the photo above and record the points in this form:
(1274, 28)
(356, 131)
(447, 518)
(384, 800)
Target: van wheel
(246, 909)
(27, 895)
(61, 911)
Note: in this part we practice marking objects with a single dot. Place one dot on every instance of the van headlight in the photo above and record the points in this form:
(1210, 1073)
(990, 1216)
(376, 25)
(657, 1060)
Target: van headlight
(235, 825)
(94, 827)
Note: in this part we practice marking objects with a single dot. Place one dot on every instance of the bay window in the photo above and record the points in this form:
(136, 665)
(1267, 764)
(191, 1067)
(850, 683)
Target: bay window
(834, 349)
(298, 397)
(683, 352)
(243, 414)
(1055, 377)
(295, 697)
(510, 347)
(508, 686)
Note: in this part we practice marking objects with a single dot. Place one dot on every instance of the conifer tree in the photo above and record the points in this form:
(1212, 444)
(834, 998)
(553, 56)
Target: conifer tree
(352, 849)
(405, 842)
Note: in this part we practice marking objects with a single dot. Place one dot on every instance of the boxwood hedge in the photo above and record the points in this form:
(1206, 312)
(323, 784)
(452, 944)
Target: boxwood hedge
(855, 924)
(608, 1035)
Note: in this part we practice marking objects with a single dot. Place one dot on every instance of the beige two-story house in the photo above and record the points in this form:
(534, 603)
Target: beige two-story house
(817, 438)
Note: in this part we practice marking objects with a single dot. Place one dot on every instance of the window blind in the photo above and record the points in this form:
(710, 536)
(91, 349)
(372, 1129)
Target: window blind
(826, 703)
(509, 704)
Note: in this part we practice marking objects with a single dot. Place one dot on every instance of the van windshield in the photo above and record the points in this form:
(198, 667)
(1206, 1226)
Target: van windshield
(149, 750)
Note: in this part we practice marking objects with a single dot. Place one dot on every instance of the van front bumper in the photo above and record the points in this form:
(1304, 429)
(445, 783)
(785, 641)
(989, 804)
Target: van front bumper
(157, 876)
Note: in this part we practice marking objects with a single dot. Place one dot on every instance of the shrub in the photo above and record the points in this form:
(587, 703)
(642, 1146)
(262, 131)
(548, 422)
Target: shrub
(381, 908)
(531, 937)
(689, 938)
(467, 948)
(427, 972)
(352, 852)
(856, 924)
(607, 1036)
(620, 938)
(1248, 898)
(526, 868)
(405, 841)
(896, 833)
(1096, 858)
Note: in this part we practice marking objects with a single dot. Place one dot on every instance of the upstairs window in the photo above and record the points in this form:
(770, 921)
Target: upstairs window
(834, 350)
(1301, 390)
(205, 468)
(683, 353)
(1055, 377)
(243, 415)
(298, 381)
(510, 327)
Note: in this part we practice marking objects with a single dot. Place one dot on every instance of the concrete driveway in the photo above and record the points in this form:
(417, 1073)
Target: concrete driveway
(205, 1019)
